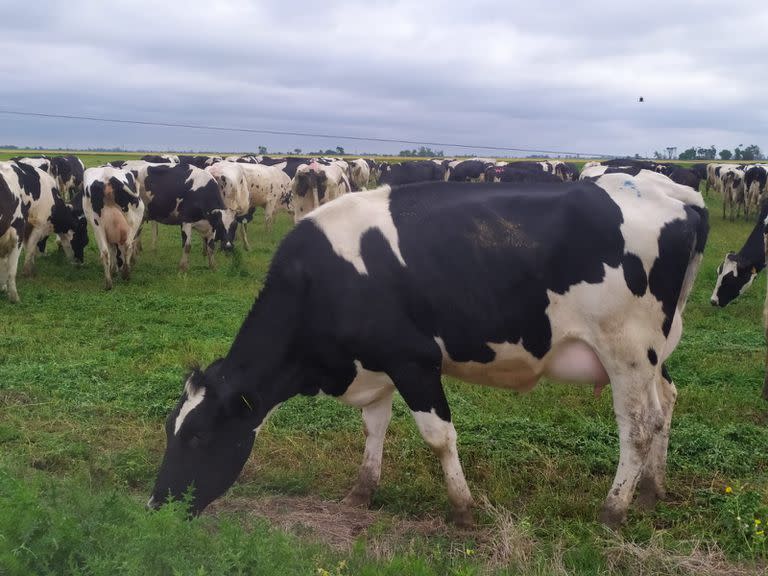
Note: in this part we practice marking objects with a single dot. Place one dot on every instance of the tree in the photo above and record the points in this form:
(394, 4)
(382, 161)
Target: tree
(752, 152)
(339, 150)
(297, 151)
(726, 154)
(262, 150)
(689, 154)
(658, 155)
(737, 153)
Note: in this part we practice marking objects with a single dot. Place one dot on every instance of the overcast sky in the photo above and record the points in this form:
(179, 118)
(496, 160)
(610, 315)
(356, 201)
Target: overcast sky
(567, 77)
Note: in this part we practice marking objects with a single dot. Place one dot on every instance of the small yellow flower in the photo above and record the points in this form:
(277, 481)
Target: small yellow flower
(469, 552)
(760, 532)
(728, 489)
(758, 522)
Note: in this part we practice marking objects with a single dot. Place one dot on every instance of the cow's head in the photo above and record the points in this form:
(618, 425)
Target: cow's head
(224, 224)
(733, 277)
(209, 436)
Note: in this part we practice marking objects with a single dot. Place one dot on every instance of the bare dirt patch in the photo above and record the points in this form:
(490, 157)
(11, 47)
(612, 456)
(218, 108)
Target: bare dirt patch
(336, 524)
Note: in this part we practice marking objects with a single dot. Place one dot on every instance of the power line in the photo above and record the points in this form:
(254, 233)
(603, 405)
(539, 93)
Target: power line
(289, 133)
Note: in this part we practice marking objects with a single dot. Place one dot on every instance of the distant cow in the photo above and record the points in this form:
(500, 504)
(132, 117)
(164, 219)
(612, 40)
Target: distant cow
(498, 285)
(161, 158)
(12, 217)
(186, 196)
(411, 171)
(41, 162)
(513, 173)
(734, 199)
(315, 185)
(469, 171)
(359, 174)
(115, 212)
(47, 213)
(755, 186)
(200, 161)
(68, 172)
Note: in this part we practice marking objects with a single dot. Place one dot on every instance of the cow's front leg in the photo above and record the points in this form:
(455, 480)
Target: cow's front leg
(376, 417)
(651, 487)
(422, 390)
(8, 267)
(186, 246)
(639, 420)
(210, 248)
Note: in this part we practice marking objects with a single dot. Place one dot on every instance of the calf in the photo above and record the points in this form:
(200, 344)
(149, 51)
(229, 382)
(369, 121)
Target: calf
(314, 185)
(496, 285)
(183, 195)
(115, 211)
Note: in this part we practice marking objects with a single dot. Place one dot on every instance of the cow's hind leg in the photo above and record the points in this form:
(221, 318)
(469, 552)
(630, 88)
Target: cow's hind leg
(186, 246)
(422, 390)
(639, 419)
(651, 487)
(244, 234)
(376, 417)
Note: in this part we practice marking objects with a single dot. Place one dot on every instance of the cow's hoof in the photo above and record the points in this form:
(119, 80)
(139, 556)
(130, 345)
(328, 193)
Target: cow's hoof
(357, 499)
(13, 298)
(648, 494)
(611, 517)
(184, 268)
(463, 518)
(107, 285)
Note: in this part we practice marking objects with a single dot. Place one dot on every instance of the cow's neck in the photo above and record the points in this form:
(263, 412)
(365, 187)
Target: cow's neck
(753, 251)
(261, 363)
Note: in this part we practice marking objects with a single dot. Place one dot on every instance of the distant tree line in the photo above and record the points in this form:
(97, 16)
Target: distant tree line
(422, 152)
(747, 153)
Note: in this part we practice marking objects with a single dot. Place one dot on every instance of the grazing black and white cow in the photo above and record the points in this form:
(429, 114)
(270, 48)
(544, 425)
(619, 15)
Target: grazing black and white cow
(374, 169)
(13, 211)
(184, 195)
(566, 171)
(411, 171)
(115, 211)
(469, 171)
(253, 186)
(68, 172)
(359, 174)
(738, 271)
(314, 185)
(497, 285)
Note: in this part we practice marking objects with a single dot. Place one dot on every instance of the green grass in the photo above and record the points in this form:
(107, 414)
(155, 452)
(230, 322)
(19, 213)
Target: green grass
(87, 376)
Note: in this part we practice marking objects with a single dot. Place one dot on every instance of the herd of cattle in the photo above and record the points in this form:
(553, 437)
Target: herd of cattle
(548, 272)
(213, 195)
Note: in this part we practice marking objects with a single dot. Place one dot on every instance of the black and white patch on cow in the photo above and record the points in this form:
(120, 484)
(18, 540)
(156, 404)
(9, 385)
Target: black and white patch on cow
(313, 185)
(184, 195)
(497, 285)
(115, 212)
(359, 174)
(68, 172)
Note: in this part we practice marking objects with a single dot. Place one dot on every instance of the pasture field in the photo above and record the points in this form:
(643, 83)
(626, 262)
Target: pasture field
(87, 377)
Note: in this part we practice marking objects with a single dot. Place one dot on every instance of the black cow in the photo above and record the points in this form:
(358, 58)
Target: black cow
(199, 161)
(684, 176)
(468, 171)
(410, 172)
(160, 158)
(68, 172)
(498, 285)
(183, 195)
(513, 173)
